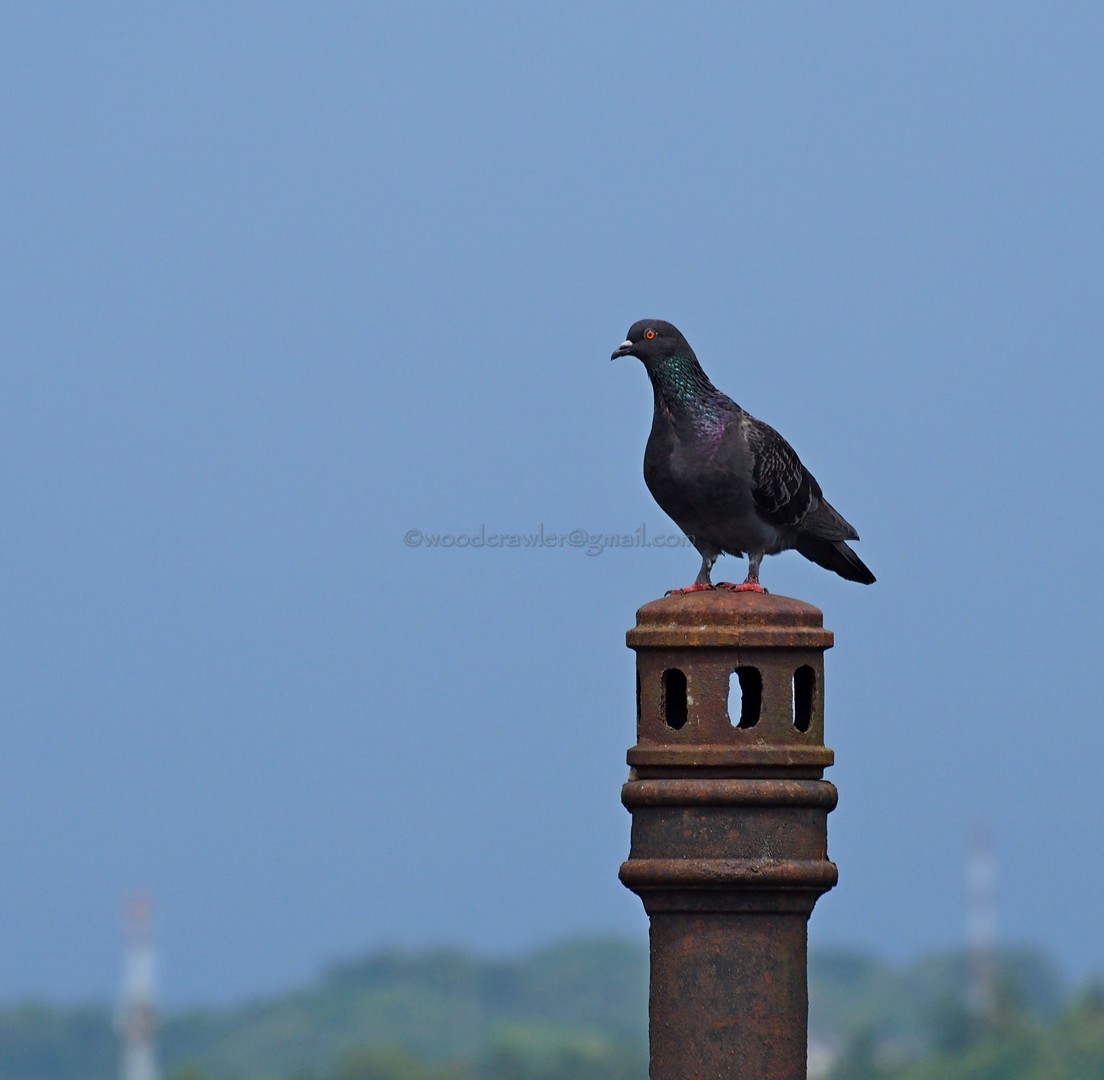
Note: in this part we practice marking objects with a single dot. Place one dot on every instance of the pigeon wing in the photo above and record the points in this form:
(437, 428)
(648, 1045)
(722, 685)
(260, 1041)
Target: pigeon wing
(785, 492)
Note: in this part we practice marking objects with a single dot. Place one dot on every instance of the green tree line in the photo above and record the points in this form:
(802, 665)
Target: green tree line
(577, 1011)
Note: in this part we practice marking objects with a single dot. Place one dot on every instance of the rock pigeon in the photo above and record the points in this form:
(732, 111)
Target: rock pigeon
(729, 481)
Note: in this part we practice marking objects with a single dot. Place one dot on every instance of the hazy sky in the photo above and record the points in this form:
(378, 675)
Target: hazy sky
(284, 282)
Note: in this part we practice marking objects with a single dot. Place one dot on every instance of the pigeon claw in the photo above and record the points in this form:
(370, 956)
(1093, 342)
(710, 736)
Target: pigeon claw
(744, 586)
(696, 587)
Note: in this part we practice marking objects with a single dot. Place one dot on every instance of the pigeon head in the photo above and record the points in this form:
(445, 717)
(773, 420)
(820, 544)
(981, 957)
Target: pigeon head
(653, 341)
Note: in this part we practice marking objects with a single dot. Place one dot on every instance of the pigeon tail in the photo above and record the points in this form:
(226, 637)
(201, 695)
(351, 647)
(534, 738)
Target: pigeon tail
(827, 523)
(835, 556)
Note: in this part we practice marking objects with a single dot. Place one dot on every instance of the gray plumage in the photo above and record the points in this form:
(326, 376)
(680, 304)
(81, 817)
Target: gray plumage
(729, 481)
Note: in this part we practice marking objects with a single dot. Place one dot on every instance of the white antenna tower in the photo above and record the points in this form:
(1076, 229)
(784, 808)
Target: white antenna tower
(982, 923)
(138, 1019)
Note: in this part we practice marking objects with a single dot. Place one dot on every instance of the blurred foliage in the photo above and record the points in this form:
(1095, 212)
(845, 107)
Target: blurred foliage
(389, 1063)
(1025, 1034)
(38, 1042)
(577, 1012)
(923, 1005)
(1014, 1046)
(542, 1053)
(189, 1071)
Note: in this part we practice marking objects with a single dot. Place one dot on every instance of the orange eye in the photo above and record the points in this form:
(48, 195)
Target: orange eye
(649, 334)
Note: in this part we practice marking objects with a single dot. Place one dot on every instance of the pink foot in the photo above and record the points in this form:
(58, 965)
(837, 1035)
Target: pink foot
(744, 586)
(688, 589)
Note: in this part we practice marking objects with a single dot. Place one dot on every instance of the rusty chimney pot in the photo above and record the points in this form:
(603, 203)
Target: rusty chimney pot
(729, 828)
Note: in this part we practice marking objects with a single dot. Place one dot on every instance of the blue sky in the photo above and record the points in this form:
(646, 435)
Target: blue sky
(284, 282)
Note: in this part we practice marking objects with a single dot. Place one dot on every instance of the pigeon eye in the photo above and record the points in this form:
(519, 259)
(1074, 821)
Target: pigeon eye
(649, 334)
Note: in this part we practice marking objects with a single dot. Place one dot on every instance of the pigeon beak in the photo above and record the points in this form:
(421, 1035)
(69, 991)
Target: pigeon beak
(624, 349)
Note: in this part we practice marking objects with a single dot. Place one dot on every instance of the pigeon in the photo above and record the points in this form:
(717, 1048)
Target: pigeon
(730, 482)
